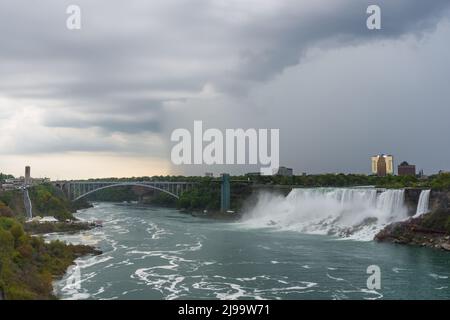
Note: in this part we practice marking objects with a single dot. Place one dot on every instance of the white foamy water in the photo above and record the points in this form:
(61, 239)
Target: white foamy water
(424, 202)
(159, 253)
(344, 212)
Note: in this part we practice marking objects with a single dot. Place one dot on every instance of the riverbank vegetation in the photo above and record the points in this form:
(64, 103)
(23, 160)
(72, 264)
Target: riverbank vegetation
(438, 181)
(50, 201)
(46, 201)
(28, 265)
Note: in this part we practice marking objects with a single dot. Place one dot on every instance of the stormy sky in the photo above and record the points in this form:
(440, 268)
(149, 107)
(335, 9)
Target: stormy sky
(102, 101)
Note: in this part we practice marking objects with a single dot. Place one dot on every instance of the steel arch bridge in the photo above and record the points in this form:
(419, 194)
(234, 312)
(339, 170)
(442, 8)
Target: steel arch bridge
(76, 190)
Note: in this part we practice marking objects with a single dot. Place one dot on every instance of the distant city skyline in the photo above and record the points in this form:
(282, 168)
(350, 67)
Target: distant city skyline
(285, 171)
(102, 101)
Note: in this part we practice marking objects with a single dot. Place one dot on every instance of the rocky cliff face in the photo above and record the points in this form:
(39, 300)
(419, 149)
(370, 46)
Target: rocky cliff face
(411, 200)
(431, 229)
(440, 200)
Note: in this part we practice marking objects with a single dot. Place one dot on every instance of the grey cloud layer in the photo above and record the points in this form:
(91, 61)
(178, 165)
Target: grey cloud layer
(131, 58)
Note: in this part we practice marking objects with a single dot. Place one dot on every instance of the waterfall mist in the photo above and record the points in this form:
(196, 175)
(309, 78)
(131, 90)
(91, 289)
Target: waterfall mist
(345, 212)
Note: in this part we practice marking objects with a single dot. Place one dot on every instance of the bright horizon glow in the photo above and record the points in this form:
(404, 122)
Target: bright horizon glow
(81, 166)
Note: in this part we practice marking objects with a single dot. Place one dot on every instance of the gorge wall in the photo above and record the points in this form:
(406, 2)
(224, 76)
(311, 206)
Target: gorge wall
(431, 229)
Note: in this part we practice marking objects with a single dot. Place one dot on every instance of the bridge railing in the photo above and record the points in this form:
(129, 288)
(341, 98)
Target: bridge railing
(78, 189)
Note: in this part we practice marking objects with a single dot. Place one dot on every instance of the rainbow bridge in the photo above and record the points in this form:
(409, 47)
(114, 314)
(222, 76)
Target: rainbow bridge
(76, 190)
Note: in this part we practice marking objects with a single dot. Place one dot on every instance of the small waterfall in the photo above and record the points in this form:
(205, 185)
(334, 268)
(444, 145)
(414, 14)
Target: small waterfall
(356, 213)
(27, 203)
(424, 202)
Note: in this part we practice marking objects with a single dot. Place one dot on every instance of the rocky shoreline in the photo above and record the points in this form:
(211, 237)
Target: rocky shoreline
(429, 230)
(36, 228)
(412, 232)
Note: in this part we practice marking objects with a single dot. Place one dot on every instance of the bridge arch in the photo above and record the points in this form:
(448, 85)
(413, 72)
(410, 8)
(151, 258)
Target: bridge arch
(126, 184)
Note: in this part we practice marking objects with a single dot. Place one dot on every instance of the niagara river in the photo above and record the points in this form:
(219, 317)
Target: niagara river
(312, 244)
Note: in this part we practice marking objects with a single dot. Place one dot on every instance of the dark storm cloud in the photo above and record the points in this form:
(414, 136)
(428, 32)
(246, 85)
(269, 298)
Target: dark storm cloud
(130, 58)
(283, 39)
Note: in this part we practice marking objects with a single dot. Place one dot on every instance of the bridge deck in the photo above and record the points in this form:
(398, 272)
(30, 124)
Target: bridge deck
(76, 190)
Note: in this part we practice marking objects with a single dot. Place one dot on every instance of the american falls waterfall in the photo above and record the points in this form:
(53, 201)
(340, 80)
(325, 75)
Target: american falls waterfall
(424, 202)
(344, 212)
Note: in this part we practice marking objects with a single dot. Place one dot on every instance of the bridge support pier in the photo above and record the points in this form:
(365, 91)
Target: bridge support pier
(225, 193)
